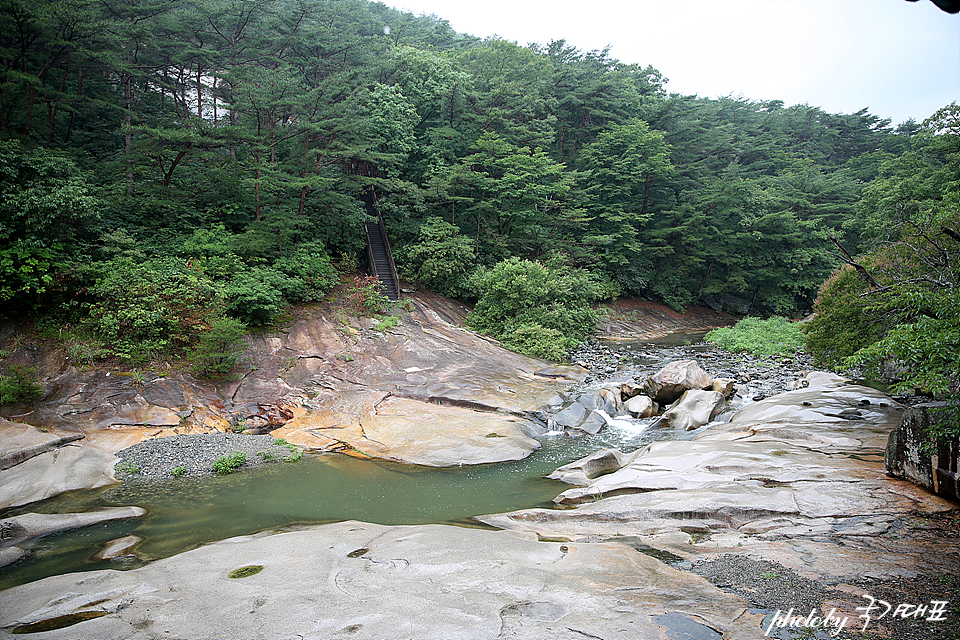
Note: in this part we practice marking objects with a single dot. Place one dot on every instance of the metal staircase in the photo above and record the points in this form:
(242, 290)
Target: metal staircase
(380, 257)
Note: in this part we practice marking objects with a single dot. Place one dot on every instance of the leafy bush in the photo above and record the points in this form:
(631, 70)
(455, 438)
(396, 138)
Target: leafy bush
(527, 298)
(775, 336)
(844, 322)
(144, 309)
(440, 258)
(228, 464)
(218, 351)
(312, 266)
(363, 297)
(19, 383)
(535, 340)
(257, 296)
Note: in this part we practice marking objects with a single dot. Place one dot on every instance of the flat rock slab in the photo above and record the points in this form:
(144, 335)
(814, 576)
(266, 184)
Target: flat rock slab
(414, 432)
(51, 464)
(803, 463)
(356, 580)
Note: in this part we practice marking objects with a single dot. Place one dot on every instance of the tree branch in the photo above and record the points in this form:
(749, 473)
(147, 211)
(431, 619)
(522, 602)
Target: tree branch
(856, 265)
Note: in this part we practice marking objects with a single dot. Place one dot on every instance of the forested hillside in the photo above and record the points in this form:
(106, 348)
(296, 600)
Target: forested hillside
(167, 163)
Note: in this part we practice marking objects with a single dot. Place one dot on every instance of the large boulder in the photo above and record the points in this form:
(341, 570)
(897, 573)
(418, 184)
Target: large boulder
(668, 384)
(908, 459)
(581, 416)
(641, 406)
(582, 471)
(695, 409)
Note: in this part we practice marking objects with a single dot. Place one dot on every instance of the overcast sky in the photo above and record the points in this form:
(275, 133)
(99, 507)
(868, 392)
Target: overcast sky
(900, 59)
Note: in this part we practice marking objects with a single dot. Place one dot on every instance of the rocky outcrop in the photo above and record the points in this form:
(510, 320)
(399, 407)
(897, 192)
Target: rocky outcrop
(805, 462)
(668, 384)
(40, 464)
(18, 529)
(694, 409)
(362, 580)
(907, 457)
(325, 385)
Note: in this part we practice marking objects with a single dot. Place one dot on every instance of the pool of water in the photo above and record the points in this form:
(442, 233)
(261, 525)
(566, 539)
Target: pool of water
(184, 513)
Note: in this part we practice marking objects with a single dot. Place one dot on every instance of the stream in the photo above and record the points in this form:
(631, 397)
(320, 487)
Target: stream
(184, 513)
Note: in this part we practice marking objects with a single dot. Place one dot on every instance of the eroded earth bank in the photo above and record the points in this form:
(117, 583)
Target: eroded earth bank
(783, 504)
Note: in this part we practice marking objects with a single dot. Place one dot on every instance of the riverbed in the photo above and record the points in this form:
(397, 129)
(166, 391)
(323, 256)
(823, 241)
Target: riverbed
(184, 513)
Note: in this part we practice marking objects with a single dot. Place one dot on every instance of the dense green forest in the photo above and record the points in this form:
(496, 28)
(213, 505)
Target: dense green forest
(171, 166)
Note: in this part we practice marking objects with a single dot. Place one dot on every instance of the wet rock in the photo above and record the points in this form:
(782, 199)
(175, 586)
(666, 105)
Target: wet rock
(641, 406)
(119, 547)
(630, 390)
(16, 529)
(9, 555)
(725, 386)
(905, 456)
(608, 401)
(694, 409)
(668, 384)
(591, 467)
(455, 582)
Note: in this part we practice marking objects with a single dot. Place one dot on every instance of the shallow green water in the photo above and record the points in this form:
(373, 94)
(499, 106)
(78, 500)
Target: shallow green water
(184, 513)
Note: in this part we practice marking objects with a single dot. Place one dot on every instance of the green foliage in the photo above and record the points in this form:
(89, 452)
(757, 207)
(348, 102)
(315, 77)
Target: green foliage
(142, 310)
(913, 300)
(530, 301)
(385, 323)
(313, 267)
(774, 336)
(440, 258)
(844, 322)
(228, 464)
(257, 296)
(125, 468)
(295, 452)
(535, 340)
(19, 383)
(219, 349)
(363, 297)
(928, 346)
(177, 472)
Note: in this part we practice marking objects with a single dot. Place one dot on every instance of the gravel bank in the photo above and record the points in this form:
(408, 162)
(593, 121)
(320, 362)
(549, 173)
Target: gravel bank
(162, 458)
(762, 376)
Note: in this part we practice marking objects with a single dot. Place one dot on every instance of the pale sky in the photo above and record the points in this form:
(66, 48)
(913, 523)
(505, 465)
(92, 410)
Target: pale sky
(900, 59)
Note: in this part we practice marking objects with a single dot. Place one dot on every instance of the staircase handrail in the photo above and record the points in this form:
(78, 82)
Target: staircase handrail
(386, 244)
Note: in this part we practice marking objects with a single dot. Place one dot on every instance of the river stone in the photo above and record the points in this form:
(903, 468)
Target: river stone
(592, 466)
(608, 401)
(668, 384)
(694, 409)
(9, 555)
(629, 390)
(358, 580)
(27, 526)
(119, 547)
(641, 406)
(725, 386)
